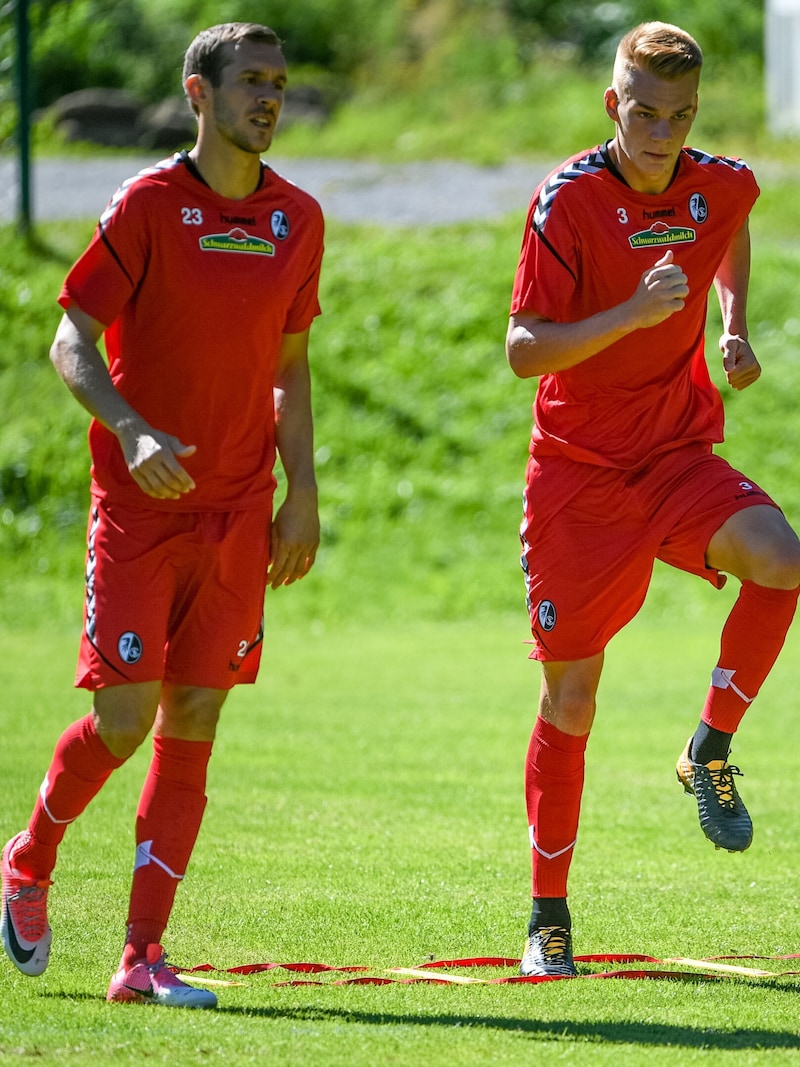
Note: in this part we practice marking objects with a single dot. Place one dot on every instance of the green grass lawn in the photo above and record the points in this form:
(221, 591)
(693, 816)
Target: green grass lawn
(366, 809)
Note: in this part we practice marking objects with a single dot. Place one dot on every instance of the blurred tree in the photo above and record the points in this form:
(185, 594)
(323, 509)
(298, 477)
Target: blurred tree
(138, 44)
(593, 29)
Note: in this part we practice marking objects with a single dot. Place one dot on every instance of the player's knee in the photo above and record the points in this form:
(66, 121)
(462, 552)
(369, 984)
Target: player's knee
(568, 697)
(190, 712)
(572, 712)
(124, 714)
(122, 729)
(779, 568)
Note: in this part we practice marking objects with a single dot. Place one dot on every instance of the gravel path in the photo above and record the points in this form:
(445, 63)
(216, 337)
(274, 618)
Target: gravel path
(406, 194)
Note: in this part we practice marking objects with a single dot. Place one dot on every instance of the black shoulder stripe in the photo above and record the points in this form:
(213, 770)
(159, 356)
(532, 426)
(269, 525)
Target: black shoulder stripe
(538, 230)
(113, 252)
(591, 163)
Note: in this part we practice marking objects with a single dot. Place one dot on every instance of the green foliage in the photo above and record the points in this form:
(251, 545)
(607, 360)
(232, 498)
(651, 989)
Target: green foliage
(79, 43)
(76, 41)
(548, 110)
(730, 35)
(417, 453)
(593, 30)
(412, 79)
(590, 29)
(43, 460)
(332, 35)
(139, 45)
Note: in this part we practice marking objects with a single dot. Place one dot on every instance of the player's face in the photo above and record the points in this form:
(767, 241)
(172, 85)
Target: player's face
(653, 118)
(245, 106)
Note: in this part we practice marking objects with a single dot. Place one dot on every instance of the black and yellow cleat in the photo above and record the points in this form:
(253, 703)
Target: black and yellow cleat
(723, 817)
(548, 954)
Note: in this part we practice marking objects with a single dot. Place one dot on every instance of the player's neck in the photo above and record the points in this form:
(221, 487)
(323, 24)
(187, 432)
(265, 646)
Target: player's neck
(233, 174)
(650, 185)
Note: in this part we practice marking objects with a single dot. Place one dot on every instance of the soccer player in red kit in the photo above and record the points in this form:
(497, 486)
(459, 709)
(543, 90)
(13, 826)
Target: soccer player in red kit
(622, 245)
(202, 277)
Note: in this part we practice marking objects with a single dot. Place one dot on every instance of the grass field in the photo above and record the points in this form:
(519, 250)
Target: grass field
(366, 809)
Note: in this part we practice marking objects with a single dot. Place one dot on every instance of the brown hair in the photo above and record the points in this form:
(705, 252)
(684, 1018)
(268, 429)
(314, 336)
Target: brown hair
(206, 54)
(666, 51)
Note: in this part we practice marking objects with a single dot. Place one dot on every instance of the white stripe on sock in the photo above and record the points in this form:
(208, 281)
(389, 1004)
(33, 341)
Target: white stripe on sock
(43, 794)
(722, 678)
(144, 855)
(541, 851)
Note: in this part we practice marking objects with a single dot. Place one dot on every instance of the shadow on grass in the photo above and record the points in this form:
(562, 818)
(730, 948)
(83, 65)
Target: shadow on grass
(612, 1033)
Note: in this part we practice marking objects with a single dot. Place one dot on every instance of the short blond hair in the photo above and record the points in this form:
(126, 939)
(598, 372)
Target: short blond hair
(665, 50)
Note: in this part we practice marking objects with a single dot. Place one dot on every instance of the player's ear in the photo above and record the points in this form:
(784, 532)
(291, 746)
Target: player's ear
(612, 103)
(196, 88)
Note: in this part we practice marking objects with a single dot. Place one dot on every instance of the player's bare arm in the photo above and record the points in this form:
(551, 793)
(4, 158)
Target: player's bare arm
(151, 455)
(535, 345)
(731, 283)
(295, 529)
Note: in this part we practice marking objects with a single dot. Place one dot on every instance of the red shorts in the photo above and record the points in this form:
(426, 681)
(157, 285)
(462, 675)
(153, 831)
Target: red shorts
(590, 536)
(173, 596)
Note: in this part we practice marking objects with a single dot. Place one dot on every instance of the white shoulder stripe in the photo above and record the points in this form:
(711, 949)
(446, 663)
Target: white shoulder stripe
(119, 195)
(589, 164)
(704, 158)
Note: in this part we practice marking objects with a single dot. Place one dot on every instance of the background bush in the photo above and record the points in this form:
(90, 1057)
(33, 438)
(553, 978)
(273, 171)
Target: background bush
(138, 44)
(406, 79)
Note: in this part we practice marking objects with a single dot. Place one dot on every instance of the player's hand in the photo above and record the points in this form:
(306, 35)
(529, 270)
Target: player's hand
(661, 292)
(152, 459)
(738, 361)
(294, 538)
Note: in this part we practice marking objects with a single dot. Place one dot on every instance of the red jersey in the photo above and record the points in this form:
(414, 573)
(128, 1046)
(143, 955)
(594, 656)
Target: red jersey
(589, 239)
(196, 291)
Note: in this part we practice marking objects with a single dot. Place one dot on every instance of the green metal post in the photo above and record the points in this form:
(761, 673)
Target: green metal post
(24, 115)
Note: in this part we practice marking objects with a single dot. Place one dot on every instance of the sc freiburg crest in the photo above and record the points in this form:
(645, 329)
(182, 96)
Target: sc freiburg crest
(547, 615)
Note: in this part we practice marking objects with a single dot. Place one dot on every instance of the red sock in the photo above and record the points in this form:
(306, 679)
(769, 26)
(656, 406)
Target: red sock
(167, 824)
(80, 766)
(751, 640)
(553, 788)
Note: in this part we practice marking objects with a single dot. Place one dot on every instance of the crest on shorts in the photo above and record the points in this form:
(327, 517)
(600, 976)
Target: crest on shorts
(547, 615)
(130, 647)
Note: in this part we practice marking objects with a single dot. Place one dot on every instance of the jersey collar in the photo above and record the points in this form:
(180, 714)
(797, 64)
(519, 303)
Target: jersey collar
(189, 163)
